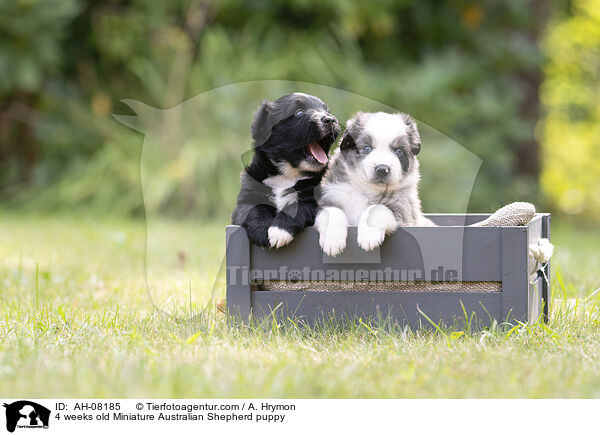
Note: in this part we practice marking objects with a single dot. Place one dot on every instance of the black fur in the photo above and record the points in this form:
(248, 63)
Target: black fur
(281, 136)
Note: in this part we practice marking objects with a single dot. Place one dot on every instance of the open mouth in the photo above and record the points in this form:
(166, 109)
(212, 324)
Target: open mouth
(315, 154)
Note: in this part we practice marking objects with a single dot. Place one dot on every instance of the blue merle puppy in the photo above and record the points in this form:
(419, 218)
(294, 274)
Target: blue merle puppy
(372, 182)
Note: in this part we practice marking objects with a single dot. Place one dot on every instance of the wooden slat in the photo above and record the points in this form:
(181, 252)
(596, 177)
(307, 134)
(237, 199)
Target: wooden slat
(404, 307)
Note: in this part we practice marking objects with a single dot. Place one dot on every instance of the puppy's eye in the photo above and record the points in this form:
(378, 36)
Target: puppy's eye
(299, 113)
(399, 152)
(366, 149)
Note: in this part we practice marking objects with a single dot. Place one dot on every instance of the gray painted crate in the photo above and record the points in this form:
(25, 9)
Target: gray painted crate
(450, 252)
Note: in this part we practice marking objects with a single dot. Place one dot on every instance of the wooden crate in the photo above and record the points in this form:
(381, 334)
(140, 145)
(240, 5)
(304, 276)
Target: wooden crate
(444, 268)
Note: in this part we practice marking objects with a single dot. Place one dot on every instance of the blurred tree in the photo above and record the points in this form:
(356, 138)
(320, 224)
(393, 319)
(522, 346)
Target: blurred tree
(570, 132)
(469, 69)
(31, 36)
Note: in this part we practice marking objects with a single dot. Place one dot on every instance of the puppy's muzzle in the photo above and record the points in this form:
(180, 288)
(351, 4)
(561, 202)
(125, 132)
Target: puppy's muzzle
(328, 119)
(381, 173)
(327, 124)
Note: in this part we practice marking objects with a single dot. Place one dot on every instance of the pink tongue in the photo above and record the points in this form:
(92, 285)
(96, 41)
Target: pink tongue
(317, 152)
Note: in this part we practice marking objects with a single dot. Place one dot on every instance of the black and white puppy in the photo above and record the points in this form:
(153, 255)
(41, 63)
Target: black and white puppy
(292, 137)
(372, 182)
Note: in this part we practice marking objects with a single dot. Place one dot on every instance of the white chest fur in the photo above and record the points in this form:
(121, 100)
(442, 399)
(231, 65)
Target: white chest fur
(283, 194)
(352, 202)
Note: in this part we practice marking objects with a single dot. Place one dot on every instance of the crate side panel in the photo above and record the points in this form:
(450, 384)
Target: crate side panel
(237, 257)
(443, 219)
(515, 287)
(404, 307)
(534, 230)
(546, 293)
(535, 301)
(475, 251)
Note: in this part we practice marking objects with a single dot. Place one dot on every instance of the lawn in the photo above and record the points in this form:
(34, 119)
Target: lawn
(77, 320)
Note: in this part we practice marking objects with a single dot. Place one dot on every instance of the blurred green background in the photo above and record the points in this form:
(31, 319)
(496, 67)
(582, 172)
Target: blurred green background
(515, 82)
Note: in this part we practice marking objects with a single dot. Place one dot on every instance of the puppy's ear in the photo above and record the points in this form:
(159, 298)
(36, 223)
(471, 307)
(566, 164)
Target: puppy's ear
(261, 126)
(356, 119)
(413, 134)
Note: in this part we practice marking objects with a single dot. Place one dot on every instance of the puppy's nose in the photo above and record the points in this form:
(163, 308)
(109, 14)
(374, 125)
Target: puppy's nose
(327, 119)
(382, 171)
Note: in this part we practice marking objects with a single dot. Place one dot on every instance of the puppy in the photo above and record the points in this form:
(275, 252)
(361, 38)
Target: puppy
(372, 182)
(292, 137)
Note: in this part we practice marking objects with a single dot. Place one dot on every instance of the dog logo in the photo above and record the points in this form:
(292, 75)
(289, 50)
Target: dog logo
(26, 414)
(193, 148)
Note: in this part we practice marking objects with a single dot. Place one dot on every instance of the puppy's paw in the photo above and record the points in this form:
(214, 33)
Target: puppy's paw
(379, 216)
(370, 237)
(375, 222)
(333, 241)
(259, 238)
(279, 237)
(332, 225)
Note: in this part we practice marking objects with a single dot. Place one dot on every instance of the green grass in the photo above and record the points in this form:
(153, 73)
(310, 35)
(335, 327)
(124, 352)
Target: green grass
(76, 319)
